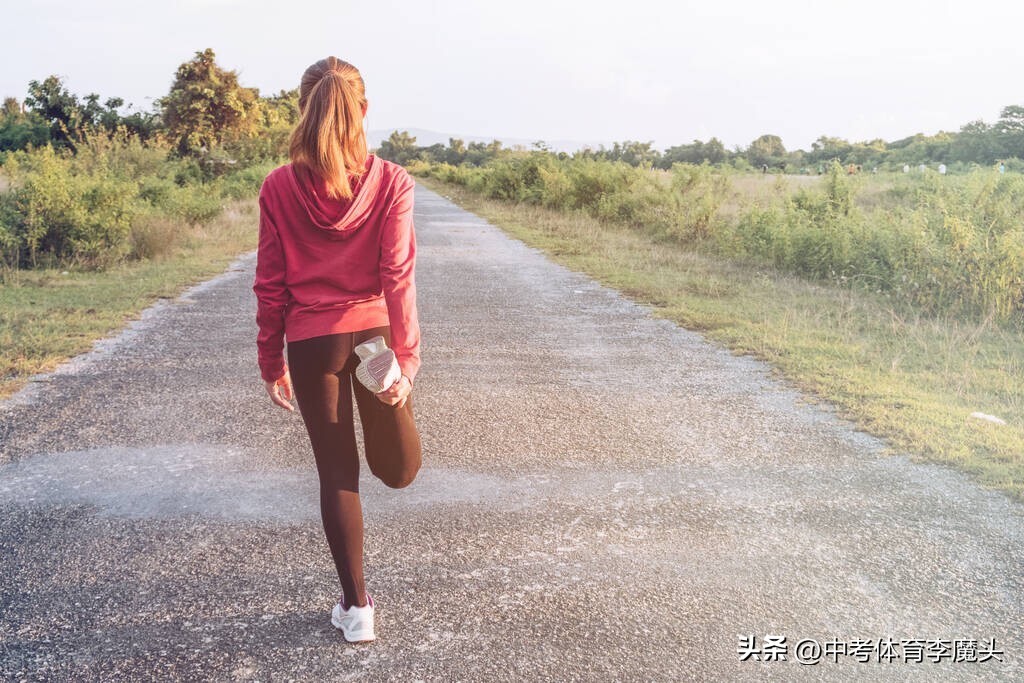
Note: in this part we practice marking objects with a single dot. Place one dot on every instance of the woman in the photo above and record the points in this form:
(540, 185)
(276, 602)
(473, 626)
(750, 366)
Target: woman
(335, 268)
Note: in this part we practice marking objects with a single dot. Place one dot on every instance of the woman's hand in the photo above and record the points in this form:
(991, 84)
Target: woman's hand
(397, 393)
(281, 391)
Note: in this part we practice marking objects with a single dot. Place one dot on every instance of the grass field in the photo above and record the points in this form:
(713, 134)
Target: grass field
(50, 315)
(910, 379)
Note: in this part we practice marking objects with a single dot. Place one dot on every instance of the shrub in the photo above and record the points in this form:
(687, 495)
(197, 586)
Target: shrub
(697, 193)
(70, 215)
(943, 243)
(245, 183)
(115, 198)
(195, 204)
(157, 191)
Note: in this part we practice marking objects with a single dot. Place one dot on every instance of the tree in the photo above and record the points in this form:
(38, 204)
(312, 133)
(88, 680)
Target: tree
(456, 153)
(1010, 130)
(712, 151)
(70, 119)
(281, 109)
(19, 129)
(869, 153)
(274, 119)
(479, 153)
(58, 107)
(207, 107)
(145, 125)
(435, 153)
(399, 147)
(976, 142)
(634, 153)
(11, 107)
(826, 149)
(767, 149)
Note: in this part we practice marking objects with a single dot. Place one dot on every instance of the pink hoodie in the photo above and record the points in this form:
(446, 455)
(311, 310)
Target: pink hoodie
(328, 265)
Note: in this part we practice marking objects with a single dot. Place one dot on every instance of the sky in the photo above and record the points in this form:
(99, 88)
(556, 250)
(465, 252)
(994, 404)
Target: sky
(669, 71)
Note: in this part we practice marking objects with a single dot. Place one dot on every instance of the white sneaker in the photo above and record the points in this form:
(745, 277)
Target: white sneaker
(378, 368)
(356, 623)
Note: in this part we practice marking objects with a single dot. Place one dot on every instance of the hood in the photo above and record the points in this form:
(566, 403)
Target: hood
(338, 217)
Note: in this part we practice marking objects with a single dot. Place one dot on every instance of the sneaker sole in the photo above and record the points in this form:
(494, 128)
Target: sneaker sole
(372, 373)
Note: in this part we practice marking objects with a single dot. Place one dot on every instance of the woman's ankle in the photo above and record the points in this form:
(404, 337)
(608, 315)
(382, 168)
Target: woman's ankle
(345, 604)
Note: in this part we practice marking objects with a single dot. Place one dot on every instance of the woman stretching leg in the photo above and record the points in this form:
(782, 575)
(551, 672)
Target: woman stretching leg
(336, 267)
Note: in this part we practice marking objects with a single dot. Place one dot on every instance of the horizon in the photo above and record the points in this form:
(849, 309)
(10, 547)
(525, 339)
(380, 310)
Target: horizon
(575, 72)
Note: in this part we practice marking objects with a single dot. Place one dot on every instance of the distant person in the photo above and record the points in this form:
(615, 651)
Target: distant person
(1002, 167)
(335, 268)
(764, 168)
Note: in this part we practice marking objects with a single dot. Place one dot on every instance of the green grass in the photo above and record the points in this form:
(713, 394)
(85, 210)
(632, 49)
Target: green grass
(48, 316)
(912, 380)
(946, 244)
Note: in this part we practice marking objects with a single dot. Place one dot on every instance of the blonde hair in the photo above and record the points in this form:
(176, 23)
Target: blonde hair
(329, 138)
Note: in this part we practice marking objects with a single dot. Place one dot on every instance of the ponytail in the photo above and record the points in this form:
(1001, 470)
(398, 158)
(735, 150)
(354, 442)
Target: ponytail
(329, 138)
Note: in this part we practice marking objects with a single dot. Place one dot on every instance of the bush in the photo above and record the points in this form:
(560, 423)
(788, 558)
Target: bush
(697, 195)
(245, 183)
(115, 198)
(157, 191)
(195, 204)
(122, 156)
(592, 180)
(457, 175)
(941, 242)
(418, 167)
(54, 208)
(10, 241)
(944, 244)
(517, 178)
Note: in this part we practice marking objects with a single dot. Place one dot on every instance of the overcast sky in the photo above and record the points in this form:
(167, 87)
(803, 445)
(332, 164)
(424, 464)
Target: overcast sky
(668, 71)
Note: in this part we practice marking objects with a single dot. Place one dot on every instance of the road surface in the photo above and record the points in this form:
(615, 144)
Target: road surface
(605, 496)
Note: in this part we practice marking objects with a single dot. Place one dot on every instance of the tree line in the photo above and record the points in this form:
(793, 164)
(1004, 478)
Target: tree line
(209, 116)
(976, 144)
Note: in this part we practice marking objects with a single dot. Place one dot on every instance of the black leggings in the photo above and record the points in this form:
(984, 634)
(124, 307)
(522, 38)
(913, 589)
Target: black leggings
(323, 376)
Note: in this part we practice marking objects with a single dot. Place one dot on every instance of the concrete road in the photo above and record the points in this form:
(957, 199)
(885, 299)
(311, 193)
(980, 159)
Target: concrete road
(605, 496)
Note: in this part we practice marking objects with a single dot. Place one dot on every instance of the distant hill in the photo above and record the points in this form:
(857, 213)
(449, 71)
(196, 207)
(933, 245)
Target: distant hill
(425, 138)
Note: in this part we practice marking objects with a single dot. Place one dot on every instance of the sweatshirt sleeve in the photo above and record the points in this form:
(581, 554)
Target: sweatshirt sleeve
(272, 297)
(397, 276)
